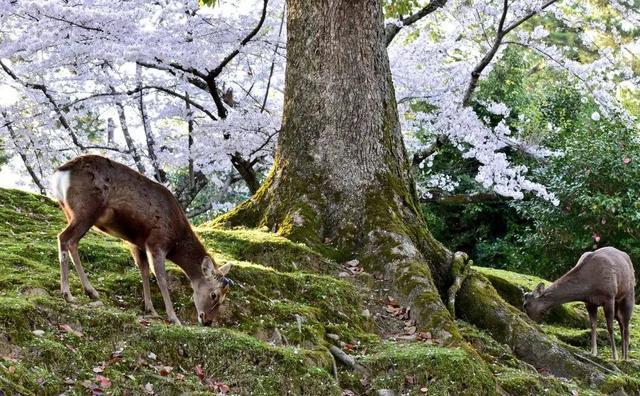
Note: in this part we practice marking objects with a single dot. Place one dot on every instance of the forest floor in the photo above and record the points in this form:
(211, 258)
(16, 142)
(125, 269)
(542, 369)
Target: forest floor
(290, 307)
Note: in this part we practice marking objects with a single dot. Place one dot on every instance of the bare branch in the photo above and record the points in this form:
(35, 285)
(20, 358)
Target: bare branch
(61, 117)
(23, 156)
(273, 62)
(159, 173)
(500, 34)
(216, 72)
(461, 199)
(391, 30)
(488, 57)
(528, 16)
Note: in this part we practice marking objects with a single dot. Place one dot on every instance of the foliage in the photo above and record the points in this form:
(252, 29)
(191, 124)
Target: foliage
(94, 60)
(594, 177)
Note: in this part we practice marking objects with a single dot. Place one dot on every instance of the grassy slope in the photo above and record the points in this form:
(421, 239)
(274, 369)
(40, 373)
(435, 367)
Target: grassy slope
(271, 339)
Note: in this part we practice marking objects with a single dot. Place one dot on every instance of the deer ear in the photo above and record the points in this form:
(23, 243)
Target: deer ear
(207, 266)
(224, 270)
(539, 289)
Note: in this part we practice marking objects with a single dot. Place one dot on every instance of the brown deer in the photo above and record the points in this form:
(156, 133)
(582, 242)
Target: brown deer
(601, 278)
(96, 191)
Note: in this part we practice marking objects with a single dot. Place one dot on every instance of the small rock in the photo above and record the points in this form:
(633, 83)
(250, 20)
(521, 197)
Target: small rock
(152, 356)
(333, 337)
(352, 263)
(386, 392)
(344, 275)
(96, 304)
(36, 292)
(366, 313)
(38, 333)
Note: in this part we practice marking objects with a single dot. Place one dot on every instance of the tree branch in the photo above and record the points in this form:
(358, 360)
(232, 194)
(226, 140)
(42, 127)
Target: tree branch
(216, 72)
(500, 34)
(488, 57)
(61, 117)
(23, 156)
(391, 30)
(160, 175)
(461, 199)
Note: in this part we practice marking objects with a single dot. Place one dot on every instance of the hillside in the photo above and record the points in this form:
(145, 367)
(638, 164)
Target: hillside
(290, 305)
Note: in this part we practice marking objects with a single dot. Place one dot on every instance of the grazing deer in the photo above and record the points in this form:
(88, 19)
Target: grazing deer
(601, 278)
(95, 191)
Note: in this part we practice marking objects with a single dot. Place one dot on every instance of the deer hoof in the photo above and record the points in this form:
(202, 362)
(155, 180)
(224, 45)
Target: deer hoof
(175, 321)
(68, 297)
(92, 293)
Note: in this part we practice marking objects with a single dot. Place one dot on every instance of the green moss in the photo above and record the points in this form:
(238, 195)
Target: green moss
(511, 286)
(616, 383)
(272, 338)
(443, 371)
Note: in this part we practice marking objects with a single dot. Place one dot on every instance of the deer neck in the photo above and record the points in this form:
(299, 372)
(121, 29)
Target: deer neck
(188, 255)
(563, 291)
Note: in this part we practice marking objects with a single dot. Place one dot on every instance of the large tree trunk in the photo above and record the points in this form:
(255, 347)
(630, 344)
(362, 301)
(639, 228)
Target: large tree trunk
(342, 180)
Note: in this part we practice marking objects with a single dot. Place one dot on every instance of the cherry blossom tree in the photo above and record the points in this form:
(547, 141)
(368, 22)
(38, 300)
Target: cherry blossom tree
(192, 95)
(179, 85)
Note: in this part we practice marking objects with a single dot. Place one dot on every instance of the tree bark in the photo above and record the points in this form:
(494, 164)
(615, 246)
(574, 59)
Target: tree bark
(342, 180)
(342, 177)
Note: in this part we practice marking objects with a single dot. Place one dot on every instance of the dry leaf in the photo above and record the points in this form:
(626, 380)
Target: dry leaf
(103, 381)
(149, 388)
(199, 372)
(68, 329)
(165, 370)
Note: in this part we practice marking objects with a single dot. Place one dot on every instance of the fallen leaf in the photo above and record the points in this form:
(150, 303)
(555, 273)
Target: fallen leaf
(424, 389)
(165, 370)
(152, 356)
(149, 388)
(68, 329)
(103, 381)
(199, 371)
(11, 369)
(626, 161)
(98, 369)
(348, 392)
(410, 379)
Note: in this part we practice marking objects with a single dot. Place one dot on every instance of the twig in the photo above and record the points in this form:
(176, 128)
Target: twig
(347, 360)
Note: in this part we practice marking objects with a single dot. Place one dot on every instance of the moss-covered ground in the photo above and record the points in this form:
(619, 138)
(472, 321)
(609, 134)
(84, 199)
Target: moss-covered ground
(273, 337)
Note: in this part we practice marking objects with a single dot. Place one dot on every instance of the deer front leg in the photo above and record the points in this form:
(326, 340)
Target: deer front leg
(609, 313)
(140, 258)
(157, 260)
(593, 320)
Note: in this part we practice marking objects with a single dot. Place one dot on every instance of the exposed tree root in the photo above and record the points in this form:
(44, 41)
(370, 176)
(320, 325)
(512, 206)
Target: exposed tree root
(459, 268)
(479, 303)
(347, 360)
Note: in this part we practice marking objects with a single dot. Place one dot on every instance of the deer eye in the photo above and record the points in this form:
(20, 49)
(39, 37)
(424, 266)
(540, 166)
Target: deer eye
(213, 296)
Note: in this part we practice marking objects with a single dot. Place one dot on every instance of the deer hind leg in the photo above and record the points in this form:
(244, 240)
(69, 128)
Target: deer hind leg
(157, 258)
(140, 258)
(68, 245)
(593, 320)
(624, 309)
(609, 313)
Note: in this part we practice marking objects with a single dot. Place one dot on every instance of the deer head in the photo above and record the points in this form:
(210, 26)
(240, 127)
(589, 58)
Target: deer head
(210, 291)
(533, 306)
